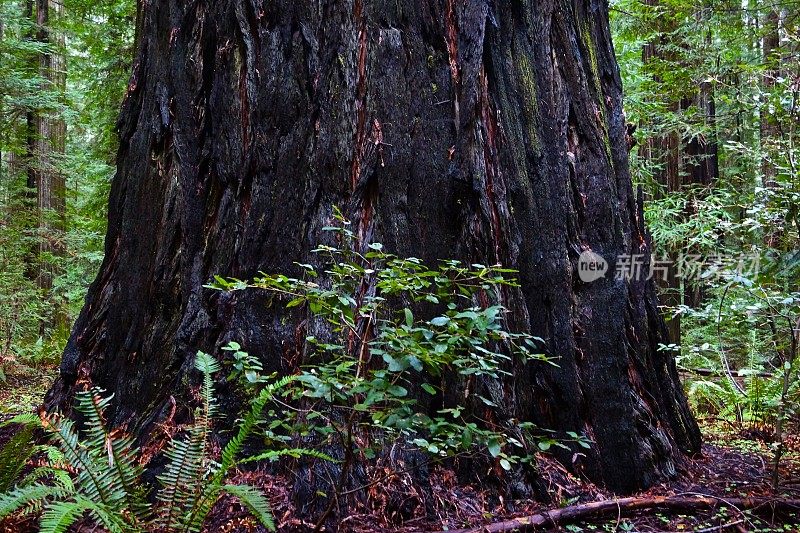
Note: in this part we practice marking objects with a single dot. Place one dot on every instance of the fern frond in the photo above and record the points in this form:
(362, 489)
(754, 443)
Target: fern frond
(296, 453)
(117, 452)
(94, 481)
(185, 482)
(108, 518)
(25, 419)
(53, 454)
(274, 388)
(186, 486)
(184, 473)
(234, 446)
(198, 511)
(106, 485)
(232, 449)
(60, 515)
(16, 452)
(62, 479)
(255, 501)
(208, 366)
(32, 496)
(14, 456)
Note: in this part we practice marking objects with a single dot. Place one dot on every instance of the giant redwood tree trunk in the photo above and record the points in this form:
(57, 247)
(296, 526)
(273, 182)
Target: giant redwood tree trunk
(490, 131)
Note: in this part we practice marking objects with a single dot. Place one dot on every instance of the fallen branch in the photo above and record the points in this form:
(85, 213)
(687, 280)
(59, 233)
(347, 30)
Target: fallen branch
(708, 372)
(622, 506)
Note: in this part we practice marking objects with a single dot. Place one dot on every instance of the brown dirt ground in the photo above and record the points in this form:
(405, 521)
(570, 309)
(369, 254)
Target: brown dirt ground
(735, 462)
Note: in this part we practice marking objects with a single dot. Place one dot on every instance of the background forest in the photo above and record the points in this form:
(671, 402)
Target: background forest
(712, 90)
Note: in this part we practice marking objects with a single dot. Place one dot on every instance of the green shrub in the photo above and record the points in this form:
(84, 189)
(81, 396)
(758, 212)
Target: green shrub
(390, 334)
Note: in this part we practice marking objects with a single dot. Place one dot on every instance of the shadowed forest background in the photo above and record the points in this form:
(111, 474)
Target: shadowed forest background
(711, 104)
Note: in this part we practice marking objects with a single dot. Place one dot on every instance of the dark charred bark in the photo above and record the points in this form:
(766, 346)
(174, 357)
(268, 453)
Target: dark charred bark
(487, 131)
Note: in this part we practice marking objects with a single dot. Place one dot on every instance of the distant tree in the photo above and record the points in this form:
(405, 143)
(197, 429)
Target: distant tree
(771, 57)
(680, 161)
(46, 140)
(27, 232)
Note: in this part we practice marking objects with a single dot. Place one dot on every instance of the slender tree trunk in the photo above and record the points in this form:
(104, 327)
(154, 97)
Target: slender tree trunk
(2, 125)
(700, 169)
(702, 151)
(770, 121)
(663, 152)
(45, 145)
(485, 131)
(770, 132)
(30, 115)
(681, 162)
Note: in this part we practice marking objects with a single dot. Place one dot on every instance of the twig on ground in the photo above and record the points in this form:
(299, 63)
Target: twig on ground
(721, 527)
(577, 513)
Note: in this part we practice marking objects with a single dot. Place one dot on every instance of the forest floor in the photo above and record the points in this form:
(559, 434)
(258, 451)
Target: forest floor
(736, 463)
(24, 388)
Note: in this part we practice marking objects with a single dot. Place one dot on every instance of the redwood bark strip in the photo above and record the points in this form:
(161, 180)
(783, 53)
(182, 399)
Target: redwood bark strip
(245, 111)
(343, 104)
(451, 38)
(490, 150)
(361, 90)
